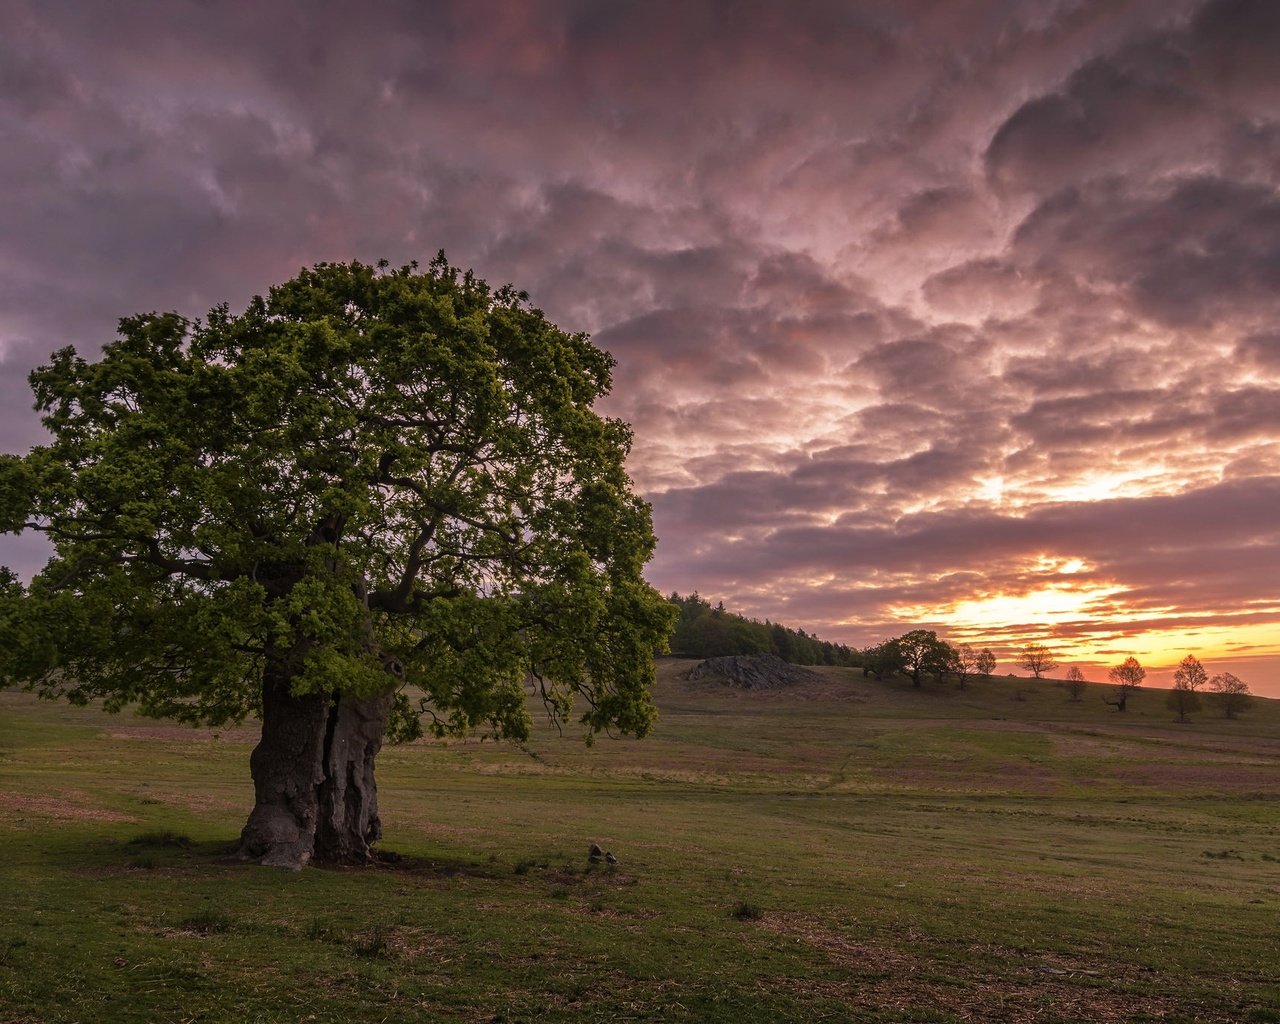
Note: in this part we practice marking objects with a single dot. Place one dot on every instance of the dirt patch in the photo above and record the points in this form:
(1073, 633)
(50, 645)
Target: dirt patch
(613, 914)
(71, 805)
(127, 730)
(1082, 745)
(962, 778)
(1237, 779)
(201, 803)
(415, 944)
(1050, 987)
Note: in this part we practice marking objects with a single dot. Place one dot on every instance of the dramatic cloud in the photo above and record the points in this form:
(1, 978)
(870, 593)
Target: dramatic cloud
(953, 313)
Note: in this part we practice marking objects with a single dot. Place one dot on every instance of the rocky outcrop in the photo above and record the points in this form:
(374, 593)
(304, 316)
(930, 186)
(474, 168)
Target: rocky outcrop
(753, 672)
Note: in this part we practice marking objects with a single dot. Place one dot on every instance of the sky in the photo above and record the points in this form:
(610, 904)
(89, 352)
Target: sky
(959, 314)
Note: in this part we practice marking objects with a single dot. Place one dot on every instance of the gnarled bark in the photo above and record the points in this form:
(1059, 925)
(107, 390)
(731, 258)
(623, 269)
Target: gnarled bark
(314, 792)
(349, 820)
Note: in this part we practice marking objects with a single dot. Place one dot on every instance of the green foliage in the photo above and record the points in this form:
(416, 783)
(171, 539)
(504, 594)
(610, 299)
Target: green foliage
(922, 652)
(885, 659)
(702, 631)
(370, 479)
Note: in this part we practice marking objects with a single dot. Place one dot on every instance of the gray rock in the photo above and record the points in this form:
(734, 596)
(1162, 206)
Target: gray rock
(753, 671)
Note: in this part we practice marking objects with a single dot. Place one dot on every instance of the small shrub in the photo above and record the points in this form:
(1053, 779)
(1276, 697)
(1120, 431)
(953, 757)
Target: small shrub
(317, 930)
(560, 893)
(1270, 857)
(523, 867)
(207, 922)
(745, 911)
(372, 944)
(1223, 854)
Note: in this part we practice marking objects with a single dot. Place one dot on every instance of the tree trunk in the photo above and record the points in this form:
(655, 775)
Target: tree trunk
(314, 792)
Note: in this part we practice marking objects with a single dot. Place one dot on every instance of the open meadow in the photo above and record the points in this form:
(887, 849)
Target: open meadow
(847, 850)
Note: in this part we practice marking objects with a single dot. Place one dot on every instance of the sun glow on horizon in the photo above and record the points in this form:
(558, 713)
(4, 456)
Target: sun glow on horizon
(1093, 643)
(1088, 621)
(1163, 648)
(1055, 603)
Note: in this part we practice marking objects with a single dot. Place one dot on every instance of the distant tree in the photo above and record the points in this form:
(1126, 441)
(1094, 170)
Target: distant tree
(1231, 693)
(1182, 702)
(1190, 674)
(1187, 679)
(885, 659)
(1127, 677)
(1036, 659)
(986, 663)
(1075, 683)
(922, 652)
(964, 660)
(940, 663)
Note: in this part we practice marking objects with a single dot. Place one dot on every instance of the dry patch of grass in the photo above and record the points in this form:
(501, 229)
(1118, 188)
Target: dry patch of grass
(144, 729)
(1028, 989)
(70, 805)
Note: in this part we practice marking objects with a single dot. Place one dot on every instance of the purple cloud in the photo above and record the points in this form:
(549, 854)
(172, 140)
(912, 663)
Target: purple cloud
(907, 301)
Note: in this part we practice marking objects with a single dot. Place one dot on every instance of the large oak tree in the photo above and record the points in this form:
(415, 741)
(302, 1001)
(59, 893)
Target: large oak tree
(377, 500)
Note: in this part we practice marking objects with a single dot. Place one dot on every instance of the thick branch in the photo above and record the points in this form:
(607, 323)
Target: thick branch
(149, 552)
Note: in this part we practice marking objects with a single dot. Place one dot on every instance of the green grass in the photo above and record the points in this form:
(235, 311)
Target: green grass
(849, 851)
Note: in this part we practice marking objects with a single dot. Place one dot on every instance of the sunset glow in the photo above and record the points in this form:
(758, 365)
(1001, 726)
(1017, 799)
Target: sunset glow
(1050, 607)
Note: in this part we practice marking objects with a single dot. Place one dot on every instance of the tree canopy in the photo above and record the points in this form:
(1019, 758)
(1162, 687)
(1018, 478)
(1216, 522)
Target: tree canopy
(376, 489)
(1127, 677)
(1037, 659)
(1075, 683)
(1232, 693)
(1189, 676)
(922, 651)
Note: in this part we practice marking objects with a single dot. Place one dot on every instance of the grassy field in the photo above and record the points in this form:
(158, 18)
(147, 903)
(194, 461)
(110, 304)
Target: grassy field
(843, 851)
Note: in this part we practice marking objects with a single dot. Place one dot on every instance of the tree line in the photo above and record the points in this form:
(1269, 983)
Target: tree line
(922, 652)
(704, 631)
